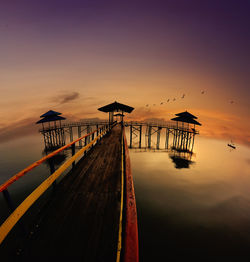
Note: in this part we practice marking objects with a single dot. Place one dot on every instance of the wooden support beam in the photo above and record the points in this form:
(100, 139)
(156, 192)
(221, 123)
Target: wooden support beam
(140, 135)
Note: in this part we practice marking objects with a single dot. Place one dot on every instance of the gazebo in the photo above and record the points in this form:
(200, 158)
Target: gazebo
(116, 107)
(186, 117)
(50, 116)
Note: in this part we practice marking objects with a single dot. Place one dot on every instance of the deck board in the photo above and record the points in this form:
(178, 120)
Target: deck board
(81, 220)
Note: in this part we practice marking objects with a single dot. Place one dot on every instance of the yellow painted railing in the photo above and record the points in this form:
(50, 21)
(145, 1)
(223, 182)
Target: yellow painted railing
(119, 244)
(14, 217)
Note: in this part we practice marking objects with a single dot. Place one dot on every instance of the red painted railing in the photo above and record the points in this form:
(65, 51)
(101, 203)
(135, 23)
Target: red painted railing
(131, 243)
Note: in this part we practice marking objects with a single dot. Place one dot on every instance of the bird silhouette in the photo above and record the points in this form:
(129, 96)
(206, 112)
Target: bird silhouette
(183, 96)
(161, 103)
(168, 100)
(174, 99)
(147, 105)
(203, 92)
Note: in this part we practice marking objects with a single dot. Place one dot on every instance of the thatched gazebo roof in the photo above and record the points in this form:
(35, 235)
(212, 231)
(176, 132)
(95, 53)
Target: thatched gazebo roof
(50, 113)
(116, 107)
(50, 119)
(186, 114)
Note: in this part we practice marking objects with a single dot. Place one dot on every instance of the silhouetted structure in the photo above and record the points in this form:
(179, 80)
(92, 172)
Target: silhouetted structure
(53, 134)
(184, 140)
(181, 159)
(116, 107)
(119, 115)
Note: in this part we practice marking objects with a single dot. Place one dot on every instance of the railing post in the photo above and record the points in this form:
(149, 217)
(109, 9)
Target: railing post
(52, 170)
(85, 143)
(92, 138)
(8, 200)
(131, 136)
(73, 148)
(158, 137)
(79, 135)
(140, 136)
(167, 138)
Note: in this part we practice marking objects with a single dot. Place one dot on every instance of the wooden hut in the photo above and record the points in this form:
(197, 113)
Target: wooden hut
(116, 107)
(186, 117)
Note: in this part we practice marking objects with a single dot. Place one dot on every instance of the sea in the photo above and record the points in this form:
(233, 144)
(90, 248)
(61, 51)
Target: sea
(192, 205)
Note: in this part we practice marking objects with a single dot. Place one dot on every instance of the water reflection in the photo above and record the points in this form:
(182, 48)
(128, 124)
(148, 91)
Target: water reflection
(181, 159)
(201, 212)
(179, 147)
(54, 162)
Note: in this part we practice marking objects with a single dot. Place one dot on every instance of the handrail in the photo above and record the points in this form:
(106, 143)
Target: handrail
(73, 124)
(119, 244)
(15, 216)
(14, 178)
(131, 242)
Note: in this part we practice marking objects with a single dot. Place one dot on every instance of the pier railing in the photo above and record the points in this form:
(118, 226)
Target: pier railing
(16, 215)
(74, 124)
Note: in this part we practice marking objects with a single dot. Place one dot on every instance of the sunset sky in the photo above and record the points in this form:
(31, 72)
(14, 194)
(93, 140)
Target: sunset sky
(77, 55)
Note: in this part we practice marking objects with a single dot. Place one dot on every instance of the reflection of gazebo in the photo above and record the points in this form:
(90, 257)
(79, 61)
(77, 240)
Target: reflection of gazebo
(181, 161)
(116, 107)
(50, 116)
(186, 117)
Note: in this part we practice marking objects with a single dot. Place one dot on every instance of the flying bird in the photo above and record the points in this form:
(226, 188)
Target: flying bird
(168, 100)
(202, 92)
(183, 96)
(162, 103)
(232, 145)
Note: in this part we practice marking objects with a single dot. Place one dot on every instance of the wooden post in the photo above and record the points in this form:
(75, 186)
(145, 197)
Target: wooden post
(193, 143)
(158, 137)
(149, 136)
(167, 138)
(8, 199)
(71, 134)
(88, 131)
(187, 139)
(93, 137)
(182, 137)
(73, 149)
(52, 170)
(131, 136)
(79, 135)
(140, 135)
(85, 143)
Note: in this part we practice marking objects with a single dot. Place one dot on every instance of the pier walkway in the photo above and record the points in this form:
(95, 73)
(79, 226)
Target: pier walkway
(83, 220)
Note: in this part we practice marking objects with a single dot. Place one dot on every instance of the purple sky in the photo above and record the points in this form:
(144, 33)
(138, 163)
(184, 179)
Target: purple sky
(117, 50)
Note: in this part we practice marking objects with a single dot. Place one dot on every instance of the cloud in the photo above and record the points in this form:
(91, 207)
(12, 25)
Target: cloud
(66, 98)
(18, 129)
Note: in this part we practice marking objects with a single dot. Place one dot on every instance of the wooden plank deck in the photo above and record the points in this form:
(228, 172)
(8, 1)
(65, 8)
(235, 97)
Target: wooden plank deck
(81, 221)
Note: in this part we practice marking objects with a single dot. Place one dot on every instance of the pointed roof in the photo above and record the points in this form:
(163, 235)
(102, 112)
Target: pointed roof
(115, 107)
(186, 114)
(51, 113)
(50, 118)
(186, 120)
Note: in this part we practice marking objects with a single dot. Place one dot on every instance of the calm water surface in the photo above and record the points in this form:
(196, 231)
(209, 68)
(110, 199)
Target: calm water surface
(202, 212)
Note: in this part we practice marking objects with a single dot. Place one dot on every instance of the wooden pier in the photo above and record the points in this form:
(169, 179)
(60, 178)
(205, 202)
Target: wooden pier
(84, 221)
(182, 137)
(89, 214)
